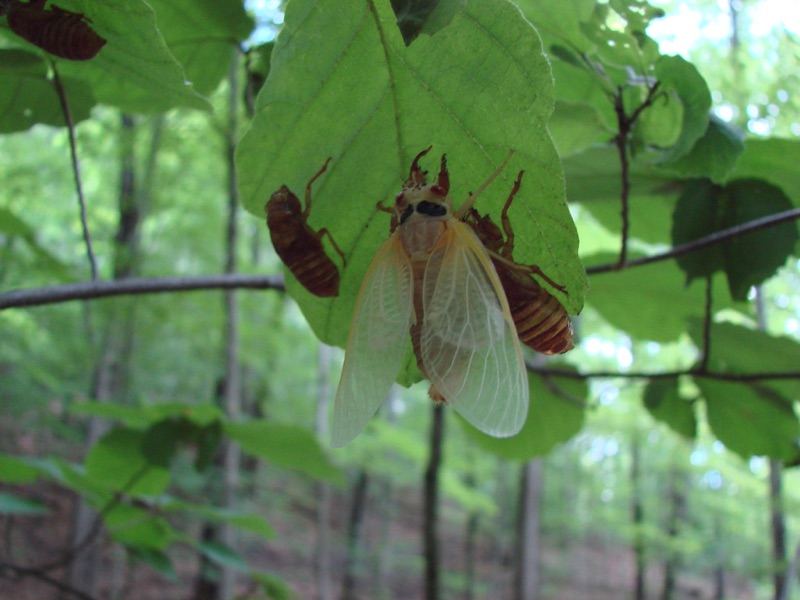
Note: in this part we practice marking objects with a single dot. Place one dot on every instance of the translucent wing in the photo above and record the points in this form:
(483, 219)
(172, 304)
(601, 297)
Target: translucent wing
(377, 343)
(469, 342)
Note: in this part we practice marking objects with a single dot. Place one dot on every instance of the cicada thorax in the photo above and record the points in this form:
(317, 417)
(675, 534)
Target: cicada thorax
(60, 32)
(542, 322)
(422, 212)
(298, 245)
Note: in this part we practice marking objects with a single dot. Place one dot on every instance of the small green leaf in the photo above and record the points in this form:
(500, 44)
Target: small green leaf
(679, 77)
(223, 555)
(156, 560)
(286, 446)
(135, 526)
(556, 413)
(663, 400)
(14, 505)
(273, 586)
(748, 260)
(15, 469)
(774, 160)
(117, 462)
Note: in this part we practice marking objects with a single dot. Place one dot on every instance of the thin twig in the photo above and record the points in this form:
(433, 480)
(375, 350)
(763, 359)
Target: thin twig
(92, 290)
(710, 240)
(625, 123)
(73, 149)
(44, 577)
(708, 318)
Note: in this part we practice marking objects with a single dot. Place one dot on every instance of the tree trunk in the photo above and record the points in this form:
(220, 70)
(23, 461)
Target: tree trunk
(529, 542)
(431, 505)
(637, 517)
(778, 527)
(110, 377)
(470, 536)
(677, 514)
(232, 390)
(357, 511)
(323, 562)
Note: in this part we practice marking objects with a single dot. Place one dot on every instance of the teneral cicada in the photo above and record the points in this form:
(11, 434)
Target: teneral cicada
(433, 280)
(542, 323)
(299, 246)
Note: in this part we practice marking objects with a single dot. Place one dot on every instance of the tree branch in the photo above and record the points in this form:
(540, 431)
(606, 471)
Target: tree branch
(91, 290)
(694, 372)
(717, 237)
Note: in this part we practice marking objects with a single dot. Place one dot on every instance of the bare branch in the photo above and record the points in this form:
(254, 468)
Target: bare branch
(717, 237)
(92, 290)
(694, 372)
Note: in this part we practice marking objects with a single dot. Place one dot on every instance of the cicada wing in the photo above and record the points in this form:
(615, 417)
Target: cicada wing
(377, 343)
(469, 342)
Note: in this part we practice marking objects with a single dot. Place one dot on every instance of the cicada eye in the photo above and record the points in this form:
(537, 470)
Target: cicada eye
(438, 190)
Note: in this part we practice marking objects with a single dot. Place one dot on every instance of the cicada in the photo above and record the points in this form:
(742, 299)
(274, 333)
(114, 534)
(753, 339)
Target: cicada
(60, 32)
(299, 246)
(432, 280)
(542, 323)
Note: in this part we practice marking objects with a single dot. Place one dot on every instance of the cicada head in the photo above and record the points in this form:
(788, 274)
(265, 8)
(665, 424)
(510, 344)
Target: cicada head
(419, 196)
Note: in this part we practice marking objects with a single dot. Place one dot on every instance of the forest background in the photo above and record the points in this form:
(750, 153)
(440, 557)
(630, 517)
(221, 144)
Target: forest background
(164, 444)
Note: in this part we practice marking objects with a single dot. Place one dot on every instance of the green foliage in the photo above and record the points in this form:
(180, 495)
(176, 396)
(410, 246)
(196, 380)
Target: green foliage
(705, 208)
(581, 95)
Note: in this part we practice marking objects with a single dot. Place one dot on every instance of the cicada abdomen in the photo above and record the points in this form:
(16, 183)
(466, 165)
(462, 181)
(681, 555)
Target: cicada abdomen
(60, 32)
(299, 246)
(542, 322)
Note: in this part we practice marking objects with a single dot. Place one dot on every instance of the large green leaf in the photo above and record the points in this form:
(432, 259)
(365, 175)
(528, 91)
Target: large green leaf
(649, 302)
(135, 70)
(714, 155)
(751, 419)
(556, 413)
(705, 208)
(344, 85)
(284, 445)
(774, 160)
(203, 35)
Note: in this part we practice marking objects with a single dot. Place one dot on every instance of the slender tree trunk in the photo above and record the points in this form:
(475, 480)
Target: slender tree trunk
(470, 537)
(110, 372)
(323, 562)
(358, 509)
(637, 517)
(431, 505)
(776, 513)
(529, 542)
(778, 527)
(677, 514)
(232, 392)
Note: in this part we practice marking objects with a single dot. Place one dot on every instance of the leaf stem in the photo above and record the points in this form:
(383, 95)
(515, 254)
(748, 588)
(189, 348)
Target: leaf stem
(73, 149)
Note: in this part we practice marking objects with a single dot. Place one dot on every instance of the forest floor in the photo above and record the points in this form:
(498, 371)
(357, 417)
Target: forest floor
(389, 563)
